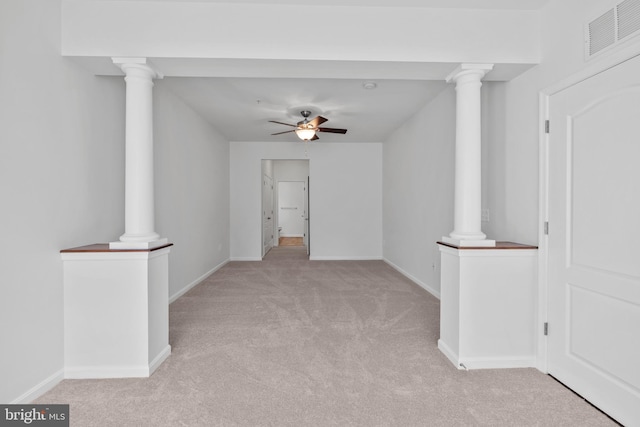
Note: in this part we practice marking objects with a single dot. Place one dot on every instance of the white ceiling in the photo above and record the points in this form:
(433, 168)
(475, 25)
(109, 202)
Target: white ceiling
(240, 108)
(239, 98)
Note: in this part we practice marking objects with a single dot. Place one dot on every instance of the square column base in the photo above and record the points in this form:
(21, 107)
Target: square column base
(487, 306)
(116, 311)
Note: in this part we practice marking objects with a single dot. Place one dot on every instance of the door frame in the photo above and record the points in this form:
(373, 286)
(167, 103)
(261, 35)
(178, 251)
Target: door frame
(614, 59)
(305, 180)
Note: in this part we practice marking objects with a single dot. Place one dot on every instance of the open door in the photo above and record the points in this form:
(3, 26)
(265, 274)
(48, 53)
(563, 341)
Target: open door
(306, 219)
(267, 214)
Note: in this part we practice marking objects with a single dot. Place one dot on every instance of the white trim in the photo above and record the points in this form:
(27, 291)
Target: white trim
(487, 253)
(291, 235)
(141, 371)
(39, 389)
(99, 372)
(245, 259)
(603, 64)
(450, 354)
(161, 357)
(485, 362)
(413, 279)
(345, 258)
(541, 314)
(498, 362)
(187, 288)
(115, 255)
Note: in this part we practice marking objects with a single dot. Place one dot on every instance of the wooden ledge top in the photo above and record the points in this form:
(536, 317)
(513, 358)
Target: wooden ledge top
(498, 246)
(104, 247)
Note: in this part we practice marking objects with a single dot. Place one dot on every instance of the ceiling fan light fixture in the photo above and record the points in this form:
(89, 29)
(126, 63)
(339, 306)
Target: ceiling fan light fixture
(305, 134)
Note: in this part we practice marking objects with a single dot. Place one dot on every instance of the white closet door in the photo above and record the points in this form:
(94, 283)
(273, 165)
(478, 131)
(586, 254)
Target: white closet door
(594, 240)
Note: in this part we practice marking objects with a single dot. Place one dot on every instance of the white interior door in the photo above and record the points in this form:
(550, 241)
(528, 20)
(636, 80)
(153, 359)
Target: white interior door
(306, 217)
(267, 214)
(594, 236)
(291, 208)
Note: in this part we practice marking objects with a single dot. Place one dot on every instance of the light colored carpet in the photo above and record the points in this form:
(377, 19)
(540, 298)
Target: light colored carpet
(293, 342)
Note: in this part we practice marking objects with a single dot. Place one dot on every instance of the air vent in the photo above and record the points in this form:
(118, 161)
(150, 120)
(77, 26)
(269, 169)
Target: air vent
(612, 27)
(602, 32)
(628, 18)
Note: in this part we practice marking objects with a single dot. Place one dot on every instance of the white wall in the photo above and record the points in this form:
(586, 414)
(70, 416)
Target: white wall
(229, 30)
(192, 190)
(61, 180)
(418, 190)
(514, 119)
(346, 197)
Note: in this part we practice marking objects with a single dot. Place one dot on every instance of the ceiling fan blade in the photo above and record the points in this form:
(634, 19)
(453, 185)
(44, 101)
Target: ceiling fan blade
(281, 123)
(286, 131)
(317, 121)
(332, 130)
(314, 138)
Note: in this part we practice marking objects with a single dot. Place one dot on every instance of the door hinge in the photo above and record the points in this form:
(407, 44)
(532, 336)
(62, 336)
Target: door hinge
(546, 228)
(546, 126)
(546, 328)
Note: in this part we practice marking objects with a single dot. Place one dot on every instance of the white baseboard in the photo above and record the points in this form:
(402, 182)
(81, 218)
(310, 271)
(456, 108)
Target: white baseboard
(291, 235)
(98, 372)
(451, 355)
(503, 362)
(345, 258)
(187, 288)
(39, 389)
(498, 362)
(161, 357)
(414, 279)
(245, 259)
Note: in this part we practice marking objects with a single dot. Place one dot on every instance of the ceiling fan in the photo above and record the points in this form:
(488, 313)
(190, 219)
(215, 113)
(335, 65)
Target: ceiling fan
(306, 129)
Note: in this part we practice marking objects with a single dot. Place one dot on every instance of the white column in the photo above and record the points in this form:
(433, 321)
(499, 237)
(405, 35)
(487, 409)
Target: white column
(139, 205)
(468, 190)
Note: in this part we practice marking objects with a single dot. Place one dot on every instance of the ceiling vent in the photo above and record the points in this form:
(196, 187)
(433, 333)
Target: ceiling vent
(628, 13)
(612, 27)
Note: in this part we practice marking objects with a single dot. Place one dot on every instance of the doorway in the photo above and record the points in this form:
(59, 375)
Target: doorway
(290, 200)
(291, 213)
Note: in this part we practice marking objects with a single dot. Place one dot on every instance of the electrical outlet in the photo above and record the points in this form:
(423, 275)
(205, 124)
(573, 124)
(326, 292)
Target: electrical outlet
(485, 215)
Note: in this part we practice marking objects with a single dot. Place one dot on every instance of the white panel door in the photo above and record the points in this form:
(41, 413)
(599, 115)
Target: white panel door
(594, 240)
(291, 208)
(267, 214)
(306, 218)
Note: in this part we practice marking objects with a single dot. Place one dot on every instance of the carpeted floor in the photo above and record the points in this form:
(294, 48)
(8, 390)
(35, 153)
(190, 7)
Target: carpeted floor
(293, 342)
